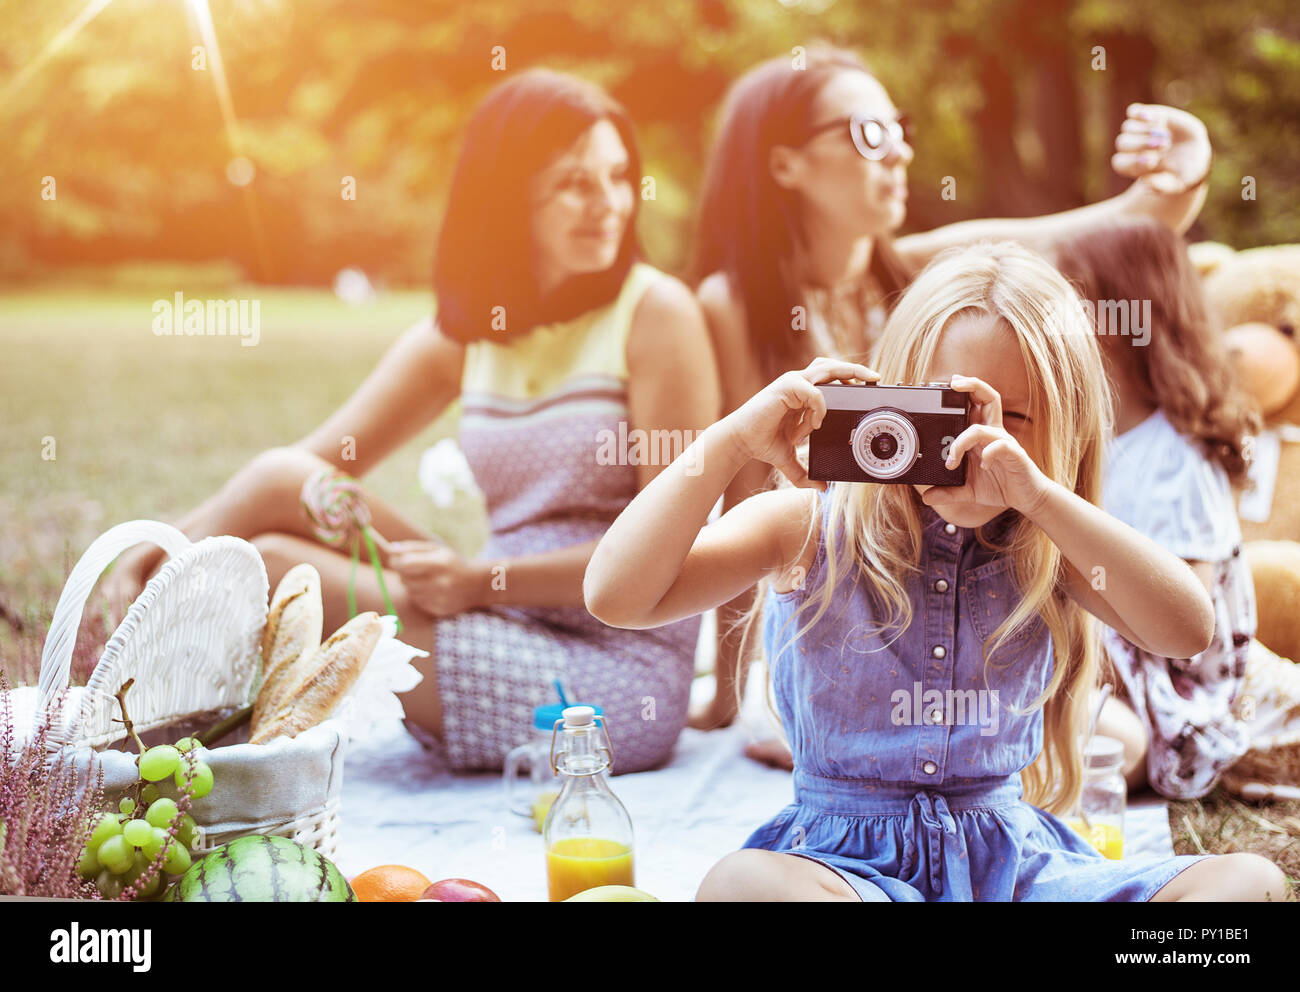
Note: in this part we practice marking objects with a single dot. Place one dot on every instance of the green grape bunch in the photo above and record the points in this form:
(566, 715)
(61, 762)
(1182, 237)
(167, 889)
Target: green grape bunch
(136, 852)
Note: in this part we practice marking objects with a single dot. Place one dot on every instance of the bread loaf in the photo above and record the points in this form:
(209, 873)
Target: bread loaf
(323, 680)
(292, 634)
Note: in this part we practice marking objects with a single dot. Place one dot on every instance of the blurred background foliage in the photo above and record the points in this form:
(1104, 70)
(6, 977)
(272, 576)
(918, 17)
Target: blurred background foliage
(1004, 92)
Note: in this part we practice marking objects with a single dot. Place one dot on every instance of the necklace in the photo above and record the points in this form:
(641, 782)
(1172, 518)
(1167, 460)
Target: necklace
(845, 321)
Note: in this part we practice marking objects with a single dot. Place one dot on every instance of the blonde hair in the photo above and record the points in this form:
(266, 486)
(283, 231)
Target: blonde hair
(875, 530)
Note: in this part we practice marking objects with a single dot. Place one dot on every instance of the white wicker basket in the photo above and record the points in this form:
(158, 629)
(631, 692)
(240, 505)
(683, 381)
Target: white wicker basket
(191, 641)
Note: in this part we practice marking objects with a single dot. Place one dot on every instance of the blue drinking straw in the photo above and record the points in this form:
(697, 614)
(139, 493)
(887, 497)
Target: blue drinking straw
(564, 700)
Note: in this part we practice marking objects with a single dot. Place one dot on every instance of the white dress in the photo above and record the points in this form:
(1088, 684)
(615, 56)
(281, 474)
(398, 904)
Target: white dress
(1163, 485)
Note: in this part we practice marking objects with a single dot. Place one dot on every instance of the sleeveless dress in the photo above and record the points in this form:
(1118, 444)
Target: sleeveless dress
(544, 427)
(908, 754)
(1160, 484)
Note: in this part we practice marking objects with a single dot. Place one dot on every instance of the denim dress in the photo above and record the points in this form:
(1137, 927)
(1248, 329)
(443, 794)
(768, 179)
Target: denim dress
(908, 751)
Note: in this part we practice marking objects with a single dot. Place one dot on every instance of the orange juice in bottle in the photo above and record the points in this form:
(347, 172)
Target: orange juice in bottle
(575, 864)
(587, 834)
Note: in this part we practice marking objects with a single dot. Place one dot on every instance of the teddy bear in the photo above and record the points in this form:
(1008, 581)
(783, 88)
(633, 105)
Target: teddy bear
(1255, 295)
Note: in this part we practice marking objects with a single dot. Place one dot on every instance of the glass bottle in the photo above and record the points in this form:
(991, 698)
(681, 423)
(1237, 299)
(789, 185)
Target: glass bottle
(587, 834)
(1102, 802)
(533, 798)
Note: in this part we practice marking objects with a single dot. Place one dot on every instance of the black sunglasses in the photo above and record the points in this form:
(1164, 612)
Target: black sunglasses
(872, 137)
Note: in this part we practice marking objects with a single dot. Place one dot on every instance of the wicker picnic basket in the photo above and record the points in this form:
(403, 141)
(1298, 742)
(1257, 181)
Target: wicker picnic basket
(191, 641)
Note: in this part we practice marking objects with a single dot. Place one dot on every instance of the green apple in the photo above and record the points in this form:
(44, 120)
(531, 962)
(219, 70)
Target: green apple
(612, 893)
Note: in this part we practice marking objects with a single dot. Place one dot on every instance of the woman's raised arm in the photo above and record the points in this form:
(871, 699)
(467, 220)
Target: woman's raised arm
(1166, 150)
(415, 381)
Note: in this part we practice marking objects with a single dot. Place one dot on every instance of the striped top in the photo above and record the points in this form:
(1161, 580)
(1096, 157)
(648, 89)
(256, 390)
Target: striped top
(538, 412)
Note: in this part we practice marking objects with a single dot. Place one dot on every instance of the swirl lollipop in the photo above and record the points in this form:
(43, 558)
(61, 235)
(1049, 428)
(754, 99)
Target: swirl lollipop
(337, 511)
(336, 508)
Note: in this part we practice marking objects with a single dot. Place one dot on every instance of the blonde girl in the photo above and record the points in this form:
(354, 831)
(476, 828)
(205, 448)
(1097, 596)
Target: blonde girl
(798, 251)
(973, 594)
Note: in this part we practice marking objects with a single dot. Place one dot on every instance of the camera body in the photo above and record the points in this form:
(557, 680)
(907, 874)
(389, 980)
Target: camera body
(889, 434)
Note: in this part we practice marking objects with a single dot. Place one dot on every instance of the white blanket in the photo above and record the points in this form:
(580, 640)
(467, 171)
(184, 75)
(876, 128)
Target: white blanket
(401, 806)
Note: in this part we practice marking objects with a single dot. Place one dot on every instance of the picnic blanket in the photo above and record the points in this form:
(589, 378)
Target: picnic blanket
(401, 805)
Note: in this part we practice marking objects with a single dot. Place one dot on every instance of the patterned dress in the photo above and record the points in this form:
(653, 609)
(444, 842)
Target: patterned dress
(1160, 484)
(544, 426)
(908, 748)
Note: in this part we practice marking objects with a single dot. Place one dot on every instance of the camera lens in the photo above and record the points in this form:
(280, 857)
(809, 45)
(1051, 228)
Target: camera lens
(885, 443)
(883, 446)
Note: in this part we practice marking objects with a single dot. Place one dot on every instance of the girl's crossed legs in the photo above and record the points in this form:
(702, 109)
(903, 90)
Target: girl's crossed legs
(753, 875)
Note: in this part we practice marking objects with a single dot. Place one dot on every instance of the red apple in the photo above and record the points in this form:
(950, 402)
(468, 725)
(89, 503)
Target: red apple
(458, 890)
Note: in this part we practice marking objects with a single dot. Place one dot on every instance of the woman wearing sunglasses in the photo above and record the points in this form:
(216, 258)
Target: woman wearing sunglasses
(795, 256)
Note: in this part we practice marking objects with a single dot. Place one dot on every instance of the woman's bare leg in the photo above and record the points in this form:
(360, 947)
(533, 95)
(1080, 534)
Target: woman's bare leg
(773, 751)
(282, 552)
(260, 498)
(753, 875)
(1118, 720)
(728, 666)
(721, 710)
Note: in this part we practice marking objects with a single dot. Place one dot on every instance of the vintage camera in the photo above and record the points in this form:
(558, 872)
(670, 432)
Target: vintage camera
(898, 434)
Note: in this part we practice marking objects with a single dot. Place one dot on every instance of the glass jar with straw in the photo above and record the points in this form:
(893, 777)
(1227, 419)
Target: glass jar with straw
(1100, 813)
(1102, 802)
(532, 796)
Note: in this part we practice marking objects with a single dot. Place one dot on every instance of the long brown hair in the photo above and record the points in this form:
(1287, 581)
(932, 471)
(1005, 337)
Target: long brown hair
(1183, 369)
(748, 226)
(483, 256)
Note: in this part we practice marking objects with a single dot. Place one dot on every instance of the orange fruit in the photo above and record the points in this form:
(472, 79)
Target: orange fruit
(389, 883)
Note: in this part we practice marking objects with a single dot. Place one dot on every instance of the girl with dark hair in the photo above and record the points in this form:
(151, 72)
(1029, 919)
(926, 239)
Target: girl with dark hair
(795, 257)
(1181, 428)
(555, 339)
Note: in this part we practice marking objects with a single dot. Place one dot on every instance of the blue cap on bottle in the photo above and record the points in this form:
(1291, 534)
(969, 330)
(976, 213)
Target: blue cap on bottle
(544, 717)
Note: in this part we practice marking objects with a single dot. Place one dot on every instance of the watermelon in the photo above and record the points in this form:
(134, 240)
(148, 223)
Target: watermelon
(262, 869)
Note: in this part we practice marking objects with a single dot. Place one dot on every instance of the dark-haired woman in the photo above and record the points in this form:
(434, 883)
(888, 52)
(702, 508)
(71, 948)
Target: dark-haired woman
(561, 346)
(795, 257)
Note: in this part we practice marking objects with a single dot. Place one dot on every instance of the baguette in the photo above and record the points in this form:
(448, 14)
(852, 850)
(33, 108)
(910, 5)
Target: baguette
(324, 679)
(293, 631)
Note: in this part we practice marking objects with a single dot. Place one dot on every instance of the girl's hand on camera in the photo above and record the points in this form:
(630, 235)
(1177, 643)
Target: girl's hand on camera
(775, 421)
(1000, 472)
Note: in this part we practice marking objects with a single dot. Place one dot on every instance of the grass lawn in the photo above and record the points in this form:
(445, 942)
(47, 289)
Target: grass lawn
(144, 426)
(148, 426)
